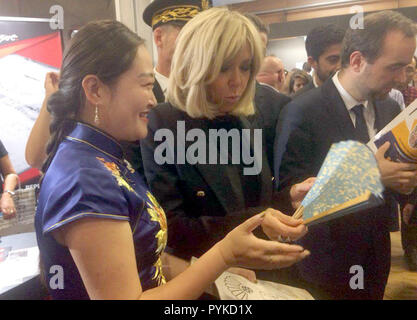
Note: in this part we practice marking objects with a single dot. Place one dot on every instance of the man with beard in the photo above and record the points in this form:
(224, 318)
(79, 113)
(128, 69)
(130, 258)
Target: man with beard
(323, 45)
(352, 105)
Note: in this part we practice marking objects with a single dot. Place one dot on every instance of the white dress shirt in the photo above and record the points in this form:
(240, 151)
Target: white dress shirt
(268, 85)
(397, 96)
(314, 80)
(350, 102)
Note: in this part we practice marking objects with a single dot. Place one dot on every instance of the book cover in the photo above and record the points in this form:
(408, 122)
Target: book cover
(348, 181)
(401, 132)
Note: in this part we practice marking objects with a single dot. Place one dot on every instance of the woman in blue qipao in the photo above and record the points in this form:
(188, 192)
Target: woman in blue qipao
(100, 232)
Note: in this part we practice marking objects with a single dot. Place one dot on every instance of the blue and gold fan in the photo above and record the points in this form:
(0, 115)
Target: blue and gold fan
(348, 181)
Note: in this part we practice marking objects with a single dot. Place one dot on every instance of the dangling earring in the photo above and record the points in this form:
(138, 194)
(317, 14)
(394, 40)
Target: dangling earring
(96, 118)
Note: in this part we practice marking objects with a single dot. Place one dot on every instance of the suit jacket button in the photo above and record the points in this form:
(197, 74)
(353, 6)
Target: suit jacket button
(201, 194)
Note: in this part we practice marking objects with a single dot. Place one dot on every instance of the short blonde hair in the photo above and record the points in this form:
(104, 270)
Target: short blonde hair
(206, 42)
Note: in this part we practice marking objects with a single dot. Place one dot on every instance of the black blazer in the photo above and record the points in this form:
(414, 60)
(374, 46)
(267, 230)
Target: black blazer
(308, 126)
(157, 91)
(203, 201)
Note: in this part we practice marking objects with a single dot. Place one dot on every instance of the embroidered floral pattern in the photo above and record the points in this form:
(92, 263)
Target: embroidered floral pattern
(114, 169)
(157, 214)
(172, 14)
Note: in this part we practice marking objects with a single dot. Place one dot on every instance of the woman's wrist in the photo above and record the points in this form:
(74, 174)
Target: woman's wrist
(6, 194)
(224, 255)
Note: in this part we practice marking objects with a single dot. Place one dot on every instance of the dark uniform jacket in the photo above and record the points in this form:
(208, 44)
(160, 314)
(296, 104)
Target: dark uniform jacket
(205, 201)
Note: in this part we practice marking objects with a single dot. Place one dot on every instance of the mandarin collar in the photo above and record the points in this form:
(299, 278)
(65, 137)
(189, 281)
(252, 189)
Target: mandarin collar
(97, 139)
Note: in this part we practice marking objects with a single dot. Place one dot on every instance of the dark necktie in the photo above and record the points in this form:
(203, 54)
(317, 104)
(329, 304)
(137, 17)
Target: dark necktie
(361, 129)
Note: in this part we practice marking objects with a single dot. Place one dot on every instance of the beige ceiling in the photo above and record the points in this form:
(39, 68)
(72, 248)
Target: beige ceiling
(76, 12)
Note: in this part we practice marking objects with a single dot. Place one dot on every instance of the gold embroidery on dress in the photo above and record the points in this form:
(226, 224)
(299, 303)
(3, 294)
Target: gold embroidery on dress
(114, 169)
(129, 166)
(157, 214)
(159, 273)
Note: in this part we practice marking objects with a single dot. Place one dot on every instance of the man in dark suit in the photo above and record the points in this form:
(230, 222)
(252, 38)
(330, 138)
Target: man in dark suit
(323, 44)
(166, 24)
(352, 105)
(268, 106)
(268, 100)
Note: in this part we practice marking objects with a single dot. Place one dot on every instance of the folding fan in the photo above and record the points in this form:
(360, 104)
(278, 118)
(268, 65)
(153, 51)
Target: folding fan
(348, 181)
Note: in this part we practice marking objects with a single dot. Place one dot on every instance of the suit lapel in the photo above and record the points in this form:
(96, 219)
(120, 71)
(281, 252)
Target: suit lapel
(158, 93)
(337, 109)
(223, 180)
(384, 113)
(265, 175)
(335, 105)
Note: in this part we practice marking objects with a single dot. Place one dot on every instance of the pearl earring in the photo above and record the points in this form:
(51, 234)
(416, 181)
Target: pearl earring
(96, 118)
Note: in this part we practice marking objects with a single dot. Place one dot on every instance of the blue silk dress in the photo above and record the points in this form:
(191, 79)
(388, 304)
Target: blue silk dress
(89, 178)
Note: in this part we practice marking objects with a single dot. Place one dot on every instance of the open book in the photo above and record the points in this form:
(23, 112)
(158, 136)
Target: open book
(402, 135)
(348, 181)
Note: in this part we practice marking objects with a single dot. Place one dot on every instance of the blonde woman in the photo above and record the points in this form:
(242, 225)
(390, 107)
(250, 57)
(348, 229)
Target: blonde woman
(101, 233)
(298, 80)
(203, 185)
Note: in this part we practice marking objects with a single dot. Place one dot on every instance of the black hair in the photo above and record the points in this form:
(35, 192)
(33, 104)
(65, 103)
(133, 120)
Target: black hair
(322, 37)
(369, 41)
(104, 48)
(259, 24)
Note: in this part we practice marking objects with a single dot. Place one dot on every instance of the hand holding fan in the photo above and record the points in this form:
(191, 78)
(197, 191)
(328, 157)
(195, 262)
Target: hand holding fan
(348, 181)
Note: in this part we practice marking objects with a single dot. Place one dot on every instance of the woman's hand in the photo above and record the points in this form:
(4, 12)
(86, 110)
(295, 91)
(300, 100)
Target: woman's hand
(276, 225)
(35, 152)
(300, 190)
(7, 206)
(241, 248)
(246, 273)
(51, 83)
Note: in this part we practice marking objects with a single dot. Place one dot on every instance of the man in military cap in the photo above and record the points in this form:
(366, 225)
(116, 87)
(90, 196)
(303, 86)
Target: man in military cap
(166, 18)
